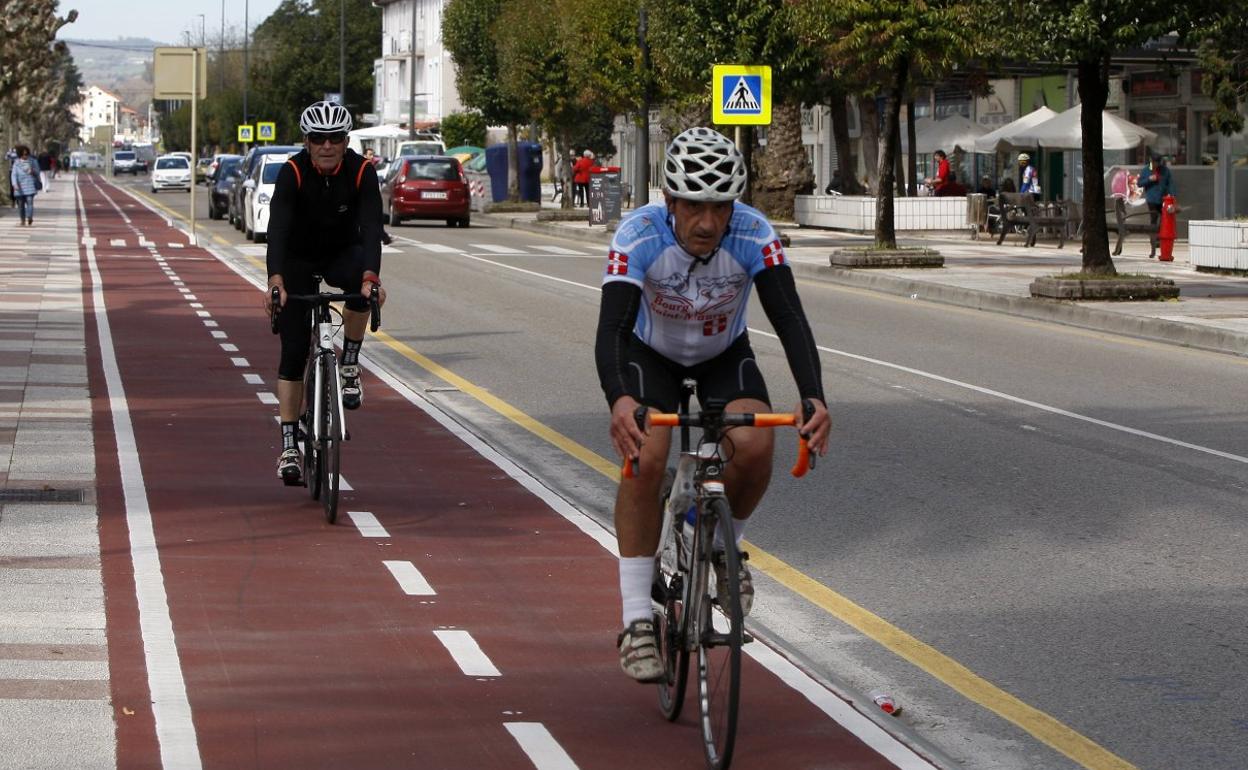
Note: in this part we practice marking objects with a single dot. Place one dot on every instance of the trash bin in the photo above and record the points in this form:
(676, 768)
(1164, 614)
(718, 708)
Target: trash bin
(529, 171)
(606, 195)
(976, 212)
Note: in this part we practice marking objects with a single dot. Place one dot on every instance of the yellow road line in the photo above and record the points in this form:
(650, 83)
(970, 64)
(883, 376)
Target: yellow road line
(1044, 727)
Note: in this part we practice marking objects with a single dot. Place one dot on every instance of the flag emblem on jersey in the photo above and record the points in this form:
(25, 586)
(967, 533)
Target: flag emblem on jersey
(773, 254)
(617, 263)
(713, 326)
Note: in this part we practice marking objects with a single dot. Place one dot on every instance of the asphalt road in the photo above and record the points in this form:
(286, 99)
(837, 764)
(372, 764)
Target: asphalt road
(1031, 535)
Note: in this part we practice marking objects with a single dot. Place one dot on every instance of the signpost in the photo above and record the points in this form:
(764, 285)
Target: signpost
(742, 96)
(182, 73)
(246, 134)
(265, 132)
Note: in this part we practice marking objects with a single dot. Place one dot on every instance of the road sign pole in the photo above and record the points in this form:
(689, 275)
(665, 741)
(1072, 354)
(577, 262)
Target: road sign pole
(194, 137)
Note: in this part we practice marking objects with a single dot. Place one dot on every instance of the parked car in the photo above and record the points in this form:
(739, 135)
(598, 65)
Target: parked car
(125, 162)
(249, 164)
(172, 172)
(426, 187)
(201, 170)
(211, 174)
(227, 173)
(257, 193)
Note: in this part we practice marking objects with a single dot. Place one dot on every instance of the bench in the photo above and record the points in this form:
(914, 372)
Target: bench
(1133, 220)
(1020, 213)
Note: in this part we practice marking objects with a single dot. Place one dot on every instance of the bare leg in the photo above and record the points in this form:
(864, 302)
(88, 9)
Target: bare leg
(637, 518)
(748, 472)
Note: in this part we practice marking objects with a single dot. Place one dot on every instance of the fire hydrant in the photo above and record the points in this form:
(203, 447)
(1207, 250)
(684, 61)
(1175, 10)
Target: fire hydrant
(1166, 232)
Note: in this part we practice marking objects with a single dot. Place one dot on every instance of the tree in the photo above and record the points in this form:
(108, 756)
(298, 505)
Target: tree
(30, 62)
(464, 128)
(468, 34)
(1224, 59)
(1085, 34)
(886, 45)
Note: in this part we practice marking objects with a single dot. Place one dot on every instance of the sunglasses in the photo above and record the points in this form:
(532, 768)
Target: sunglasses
(316, 137)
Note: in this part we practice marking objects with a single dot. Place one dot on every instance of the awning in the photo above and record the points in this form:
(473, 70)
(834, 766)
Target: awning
(947, 134)
(1002, 139)
(1064, 132)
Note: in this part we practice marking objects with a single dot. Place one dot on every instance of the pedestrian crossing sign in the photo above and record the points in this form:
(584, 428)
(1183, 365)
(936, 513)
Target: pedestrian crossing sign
(246, 134)
(742, 94)
(266, 132)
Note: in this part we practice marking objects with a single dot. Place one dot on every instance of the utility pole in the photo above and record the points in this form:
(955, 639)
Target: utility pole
(246, 34)
(641, 176)
(411, 79)
(342, 52)
(221, 53)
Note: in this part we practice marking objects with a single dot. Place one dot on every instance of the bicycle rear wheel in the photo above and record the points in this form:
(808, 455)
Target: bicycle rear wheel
(331, 440)
(668, 594)
(719, 643)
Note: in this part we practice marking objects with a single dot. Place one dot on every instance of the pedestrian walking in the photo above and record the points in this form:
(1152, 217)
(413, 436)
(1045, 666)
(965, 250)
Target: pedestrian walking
(580, 177)
(1155, 180)
(45, 170)
(25, 182)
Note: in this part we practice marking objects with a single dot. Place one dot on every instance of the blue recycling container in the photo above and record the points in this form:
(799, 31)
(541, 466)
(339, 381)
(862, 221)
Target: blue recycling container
(530, 171)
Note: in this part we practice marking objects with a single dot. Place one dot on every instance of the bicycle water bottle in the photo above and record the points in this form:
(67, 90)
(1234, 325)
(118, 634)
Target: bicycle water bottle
(691, 521)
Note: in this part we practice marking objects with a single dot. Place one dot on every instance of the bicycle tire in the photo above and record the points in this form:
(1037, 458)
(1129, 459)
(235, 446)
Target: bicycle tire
(669, 594)
(331, 441)
(719, 643)
(312, 465)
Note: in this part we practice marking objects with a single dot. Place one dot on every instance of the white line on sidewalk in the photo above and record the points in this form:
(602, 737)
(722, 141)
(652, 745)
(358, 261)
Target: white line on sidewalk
(409, 578)
(466, 652)
(365, 521)
(536, 741)
(171, 709)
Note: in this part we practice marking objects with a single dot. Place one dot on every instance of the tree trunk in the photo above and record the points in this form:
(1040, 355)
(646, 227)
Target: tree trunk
(912, 164)
(885, 233)
(563, 146)
(783, 168)
(870, 114)
(838, 105)
(899, 169)
(513, 164)
(1093, 92)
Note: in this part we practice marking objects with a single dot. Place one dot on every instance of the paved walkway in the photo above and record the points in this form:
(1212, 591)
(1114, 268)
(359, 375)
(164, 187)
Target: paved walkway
(1211, 312)
(55, 710)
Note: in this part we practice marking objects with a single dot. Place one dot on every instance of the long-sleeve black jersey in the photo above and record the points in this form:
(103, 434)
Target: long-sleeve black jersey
(314, 216)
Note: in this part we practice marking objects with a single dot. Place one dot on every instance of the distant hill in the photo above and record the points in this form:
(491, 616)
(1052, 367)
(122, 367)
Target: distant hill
(121, 66)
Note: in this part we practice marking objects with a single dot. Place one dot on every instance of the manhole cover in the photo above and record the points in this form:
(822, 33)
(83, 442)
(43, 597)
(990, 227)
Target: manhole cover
(40, 496)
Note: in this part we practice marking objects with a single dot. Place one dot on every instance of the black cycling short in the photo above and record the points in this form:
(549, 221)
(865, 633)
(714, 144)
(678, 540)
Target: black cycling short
(654, 380)
(344, 272)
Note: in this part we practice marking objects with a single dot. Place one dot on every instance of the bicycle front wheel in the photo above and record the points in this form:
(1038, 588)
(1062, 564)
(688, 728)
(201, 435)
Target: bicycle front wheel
(720, 637)
(331, 439)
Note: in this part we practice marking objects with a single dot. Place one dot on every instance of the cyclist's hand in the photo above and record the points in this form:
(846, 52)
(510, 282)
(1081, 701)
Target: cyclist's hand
(625, 434)
(366, 288)
(816, 429)
(274, 280)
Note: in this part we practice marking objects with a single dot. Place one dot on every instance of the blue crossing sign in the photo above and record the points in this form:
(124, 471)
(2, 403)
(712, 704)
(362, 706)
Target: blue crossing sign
(742, 94)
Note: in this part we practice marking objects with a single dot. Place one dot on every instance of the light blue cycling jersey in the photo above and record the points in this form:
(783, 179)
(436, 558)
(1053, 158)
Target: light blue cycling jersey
(691, 312)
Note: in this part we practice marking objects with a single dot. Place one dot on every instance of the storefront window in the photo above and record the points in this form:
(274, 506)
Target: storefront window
(1171, 136)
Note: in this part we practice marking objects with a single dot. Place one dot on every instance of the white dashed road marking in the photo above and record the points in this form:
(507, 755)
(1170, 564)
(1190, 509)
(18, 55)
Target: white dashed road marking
(466, 652)
(536, 741)
(266, 397)
(366, 522)
(409, 578)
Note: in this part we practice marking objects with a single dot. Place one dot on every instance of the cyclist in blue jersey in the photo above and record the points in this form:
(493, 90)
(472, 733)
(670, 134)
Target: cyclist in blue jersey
(674, 300)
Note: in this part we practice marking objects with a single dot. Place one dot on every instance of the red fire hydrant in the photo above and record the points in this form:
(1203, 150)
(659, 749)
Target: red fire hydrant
(1165, 233)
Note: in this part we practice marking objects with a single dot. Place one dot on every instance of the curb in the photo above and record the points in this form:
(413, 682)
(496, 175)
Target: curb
(1050, 311)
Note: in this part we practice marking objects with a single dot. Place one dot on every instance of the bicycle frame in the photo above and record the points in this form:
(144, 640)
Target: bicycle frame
(322, 335)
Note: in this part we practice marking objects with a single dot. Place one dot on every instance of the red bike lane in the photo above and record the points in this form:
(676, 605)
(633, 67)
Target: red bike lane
(298, 642)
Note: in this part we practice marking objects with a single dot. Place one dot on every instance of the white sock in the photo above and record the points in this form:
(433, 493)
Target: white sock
(738, 531)
(636, 574)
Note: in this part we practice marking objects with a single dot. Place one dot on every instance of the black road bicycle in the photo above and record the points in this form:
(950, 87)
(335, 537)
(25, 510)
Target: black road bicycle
(323, 425)
(690, 620)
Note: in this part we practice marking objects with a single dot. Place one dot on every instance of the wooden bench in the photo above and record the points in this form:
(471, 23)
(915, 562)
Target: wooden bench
(1127, 221)
(1021, 213)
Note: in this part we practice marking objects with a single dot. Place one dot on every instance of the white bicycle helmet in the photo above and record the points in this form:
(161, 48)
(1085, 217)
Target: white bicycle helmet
(326, 118)
(704, 165)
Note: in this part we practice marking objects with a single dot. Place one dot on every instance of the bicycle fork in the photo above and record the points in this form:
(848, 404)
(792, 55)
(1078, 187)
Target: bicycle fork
(325, 347)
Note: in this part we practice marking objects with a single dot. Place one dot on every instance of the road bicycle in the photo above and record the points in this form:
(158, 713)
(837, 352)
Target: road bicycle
(689, 620)
(323, 425)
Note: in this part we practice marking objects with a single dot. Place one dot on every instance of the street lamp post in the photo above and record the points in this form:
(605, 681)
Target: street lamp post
(221, 54)
(342, 51)
(411, 78)
(246, 34)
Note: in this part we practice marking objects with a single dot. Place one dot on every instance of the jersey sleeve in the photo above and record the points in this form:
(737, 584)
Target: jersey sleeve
(633, 249)
(281, 217)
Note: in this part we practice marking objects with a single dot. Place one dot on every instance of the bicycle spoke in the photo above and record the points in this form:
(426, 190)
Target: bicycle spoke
(719, 649)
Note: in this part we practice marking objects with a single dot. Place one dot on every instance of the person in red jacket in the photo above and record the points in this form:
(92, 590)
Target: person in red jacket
(580, 178)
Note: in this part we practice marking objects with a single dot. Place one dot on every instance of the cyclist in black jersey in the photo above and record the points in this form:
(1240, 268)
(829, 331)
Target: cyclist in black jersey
(674, 297)
(325, 219)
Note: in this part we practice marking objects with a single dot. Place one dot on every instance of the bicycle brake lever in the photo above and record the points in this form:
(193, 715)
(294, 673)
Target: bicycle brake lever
(374, 306)
(808, 411)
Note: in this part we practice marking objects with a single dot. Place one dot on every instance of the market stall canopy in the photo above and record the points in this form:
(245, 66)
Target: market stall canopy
(947, 134)
(1002, 138)
(1065, 133)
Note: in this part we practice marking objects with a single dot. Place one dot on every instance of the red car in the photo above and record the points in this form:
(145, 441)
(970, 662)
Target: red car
(426, 187)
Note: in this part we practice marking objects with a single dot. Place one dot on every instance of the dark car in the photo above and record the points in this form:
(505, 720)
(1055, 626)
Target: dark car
(235, 195)
(219, 196)
(426, 187)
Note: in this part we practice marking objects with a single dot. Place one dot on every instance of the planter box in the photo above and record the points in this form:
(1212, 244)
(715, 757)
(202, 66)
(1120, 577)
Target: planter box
(1219, 244)
(856, 213)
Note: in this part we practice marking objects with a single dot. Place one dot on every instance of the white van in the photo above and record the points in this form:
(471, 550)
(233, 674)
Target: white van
(428, 146)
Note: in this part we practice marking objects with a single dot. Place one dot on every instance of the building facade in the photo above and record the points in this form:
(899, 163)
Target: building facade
(97, 108)
(413, 60)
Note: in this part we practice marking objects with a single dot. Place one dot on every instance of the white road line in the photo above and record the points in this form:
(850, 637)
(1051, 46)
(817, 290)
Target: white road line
(441, 249)
(196, 305)
(343, 486)
(939, 378)
(228, 347)
(496, 249)
(211, 324)
(242, 363)
(409, 578)
(171, 709)
(266, 397)
(544, 751)
(253, 379)
(219, 335)
(206, 314)
(118, 242)
(185, 290)
(176, 245)
(466, 652)
(188, 296)
(560, 250)
(366, 522)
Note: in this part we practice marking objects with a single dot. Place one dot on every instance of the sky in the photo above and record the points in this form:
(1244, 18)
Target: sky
(160, 20)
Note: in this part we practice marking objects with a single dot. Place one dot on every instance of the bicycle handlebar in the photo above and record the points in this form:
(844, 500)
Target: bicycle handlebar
(805, 459)
(374, 304)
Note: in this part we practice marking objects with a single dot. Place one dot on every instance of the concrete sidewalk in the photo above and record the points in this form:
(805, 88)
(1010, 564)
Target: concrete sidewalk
(55, 706)
(1211, 312)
